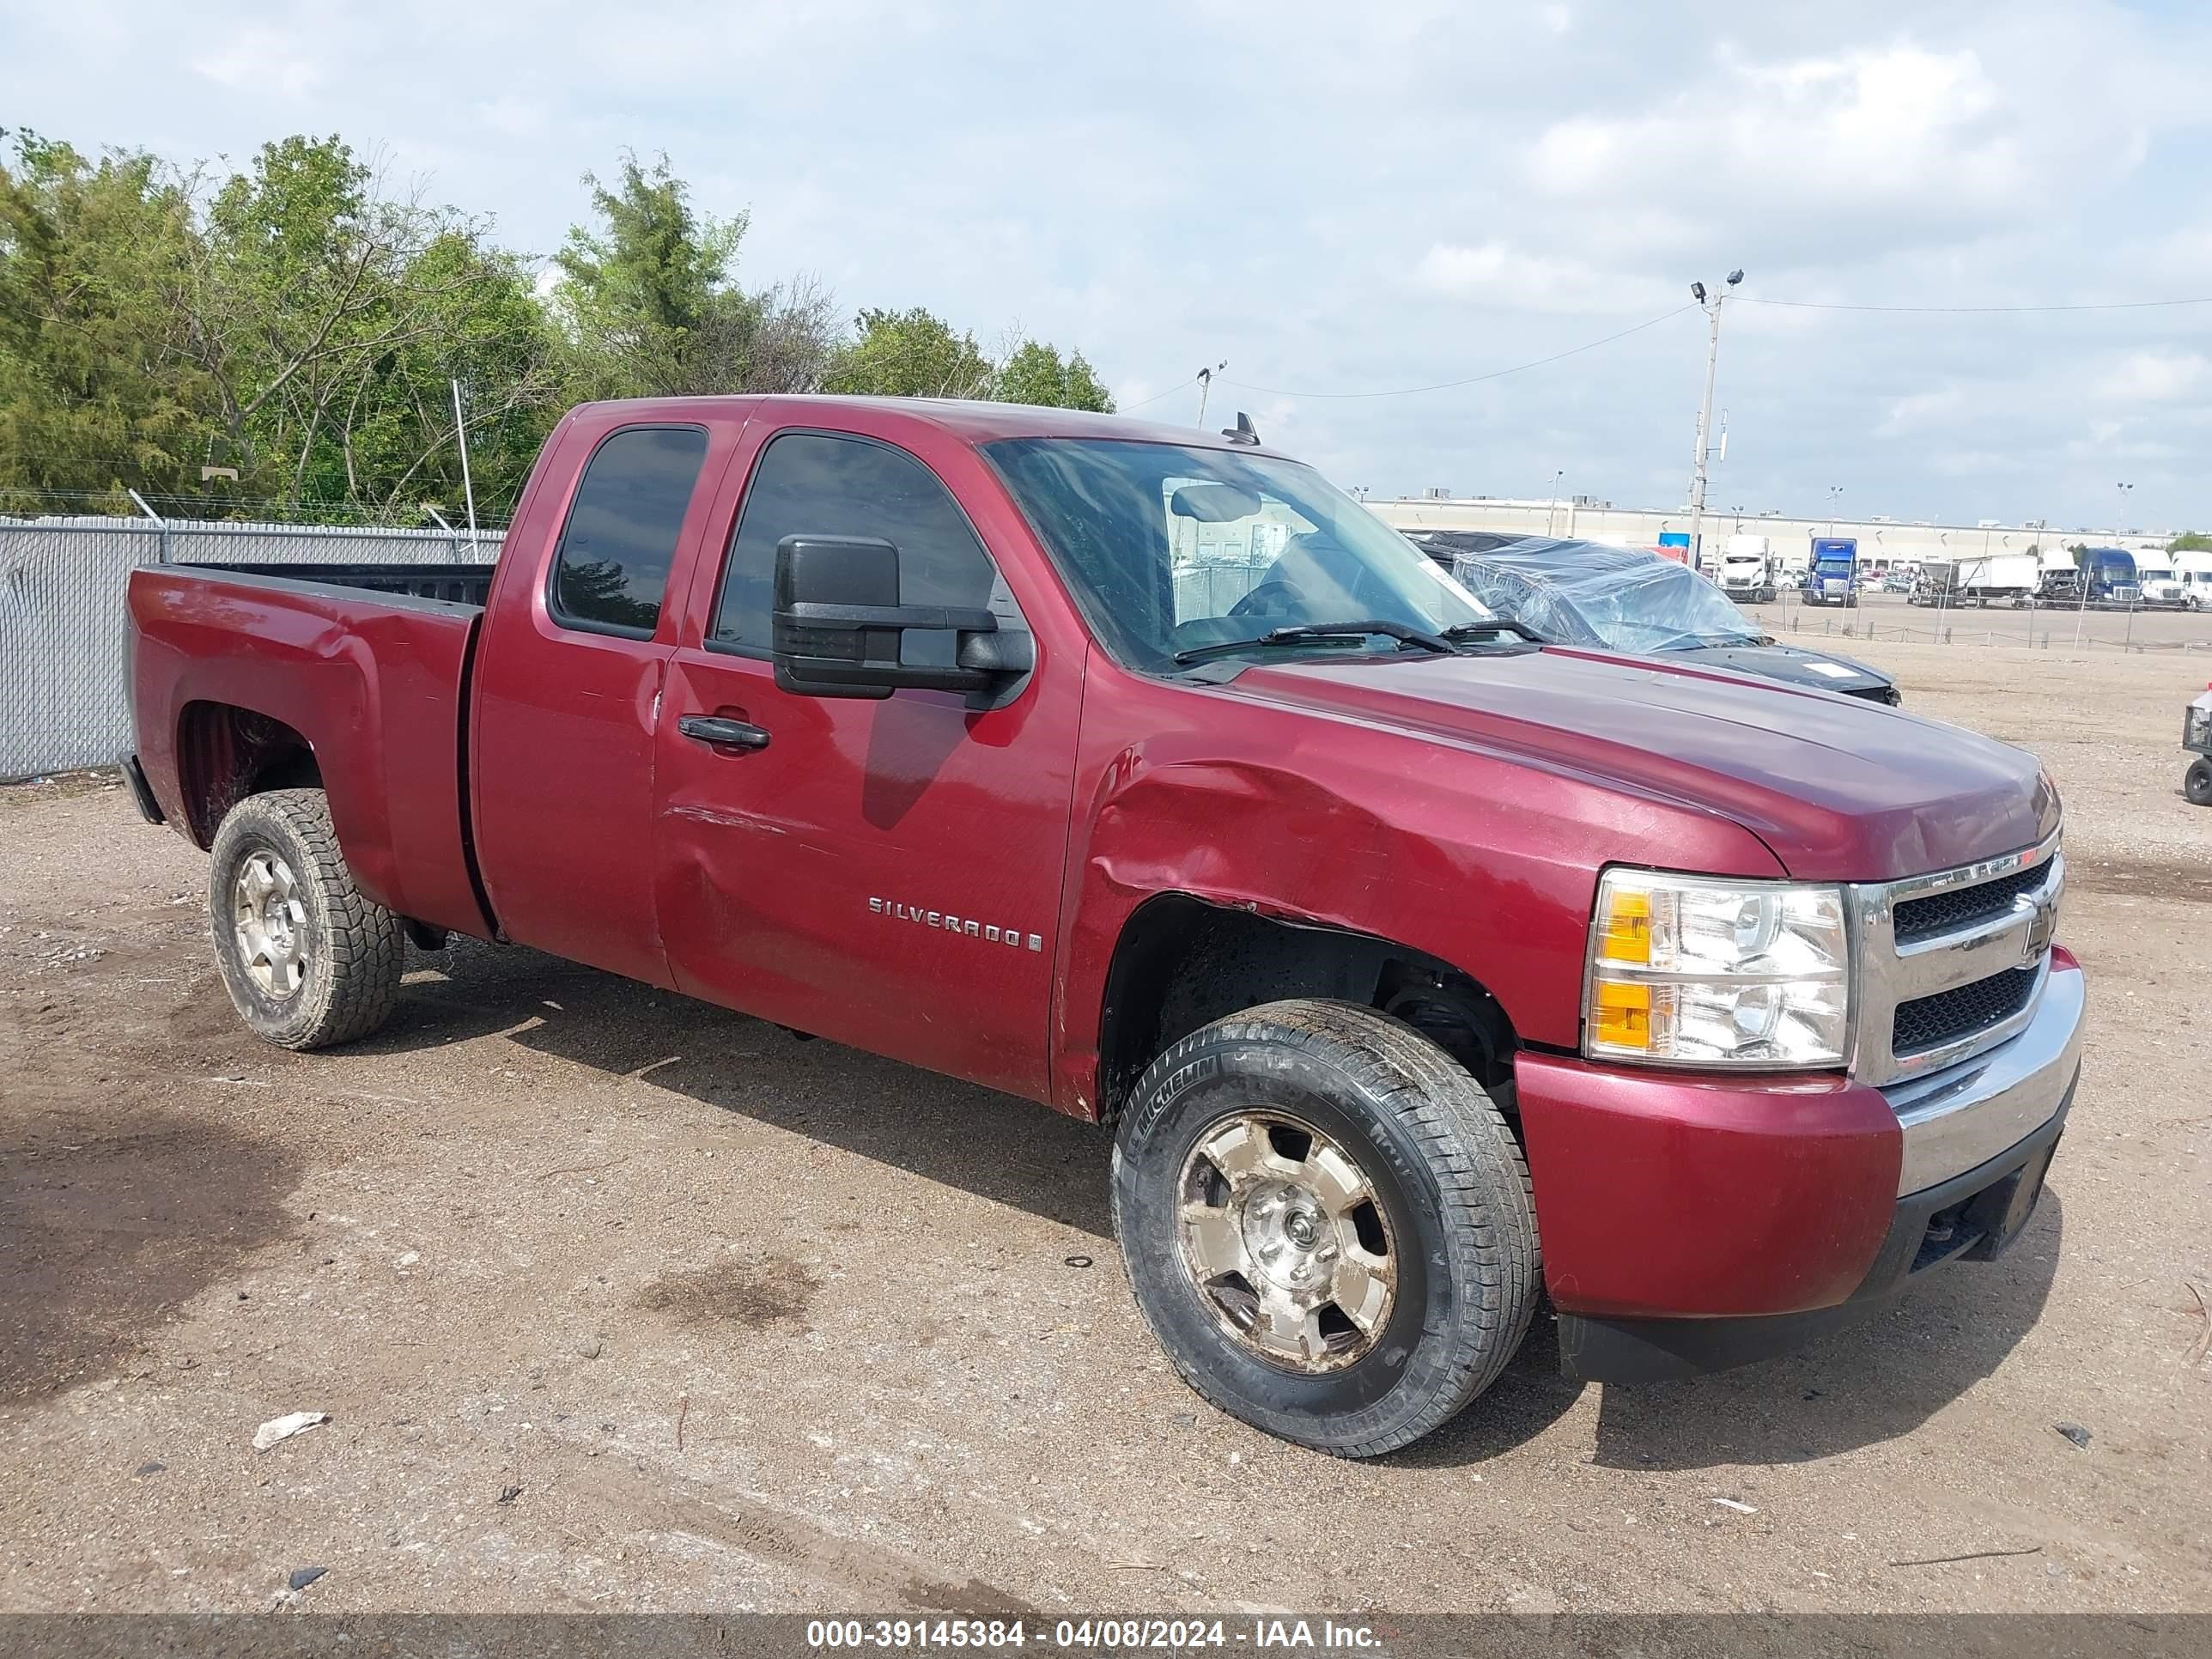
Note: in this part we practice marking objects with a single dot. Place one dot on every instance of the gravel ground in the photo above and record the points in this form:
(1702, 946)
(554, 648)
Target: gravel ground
(618, 1301)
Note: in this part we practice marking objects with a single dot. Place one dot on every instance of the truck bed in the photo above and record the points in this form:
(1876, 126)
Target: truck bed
(236, 671)
(457, 583)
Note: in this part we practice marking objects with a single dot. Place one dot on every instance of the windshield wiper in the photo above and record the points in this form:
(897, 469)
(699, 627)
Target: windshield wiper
(1459, 632)
(1301, 633)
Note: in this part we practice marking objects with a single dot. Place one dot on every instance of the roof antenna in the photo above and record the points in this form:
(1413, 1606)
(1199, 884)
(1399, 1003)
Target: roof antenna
(1241, 433)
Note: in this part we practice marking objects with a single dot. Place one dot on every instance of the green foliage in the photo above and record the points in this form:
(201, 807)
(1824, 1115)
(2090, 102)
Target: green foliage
(1036, 374)
(91, 398)
(2190, 541)
(651, 308)
(298, 322)
(910, 353)
(917, 354)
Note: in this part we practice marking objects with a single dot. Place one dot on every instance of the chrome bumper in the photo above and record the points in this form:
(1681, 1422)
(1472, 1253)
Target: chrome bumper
(1967, 1114)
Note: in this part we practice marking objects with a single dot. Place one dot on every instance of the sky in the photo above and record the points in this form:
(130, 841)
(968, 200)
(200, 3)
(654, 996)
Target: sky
(1336, 199)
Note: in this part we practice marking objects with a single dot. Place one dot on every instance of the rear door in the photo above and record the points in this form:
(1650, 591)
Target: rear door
(886, 873)
(568, 691)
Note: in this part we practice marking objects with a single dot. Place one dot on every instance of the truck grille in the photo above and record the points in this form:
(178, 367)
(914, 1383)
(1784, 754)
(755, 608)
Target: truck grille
(1955, 908)
(1931, 1022)
(1951, 963)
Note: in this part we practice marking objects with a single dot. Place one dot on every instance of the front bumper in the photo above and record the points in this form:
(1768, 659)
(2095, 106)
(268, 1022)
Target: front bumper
(1692, 1222)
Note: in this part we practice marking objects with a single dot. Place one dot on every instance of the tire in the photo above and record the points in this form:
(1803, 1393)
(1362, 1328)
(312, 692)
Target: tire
(2197, 783)
(308, 959)
(1448, 1201)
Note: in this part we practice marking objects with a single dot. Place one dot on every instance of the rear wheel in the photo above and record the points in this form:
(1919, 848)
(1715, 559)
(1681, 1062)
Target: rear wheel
(308, 959)
(1327, 1223)
(2197, 783)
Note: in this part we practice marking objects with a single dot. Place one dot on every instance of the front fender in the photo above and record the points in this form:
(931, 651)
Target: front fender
(1483, 863)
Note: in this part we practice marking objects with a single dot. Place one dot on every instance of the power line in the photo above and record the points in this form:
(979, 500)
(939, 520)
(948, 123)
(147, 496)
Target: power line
(1183, 385)
(2089, 305)
(1472, 379)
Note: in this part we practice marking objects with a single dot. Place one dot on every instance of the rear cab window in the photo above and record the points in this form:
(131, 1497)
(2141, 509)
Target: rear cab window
(611, 570)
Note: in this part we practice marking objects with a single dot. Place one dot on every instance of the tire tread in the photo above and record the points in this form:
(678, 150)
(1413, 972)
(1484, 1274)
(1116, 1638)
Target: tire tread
(1485, 1198)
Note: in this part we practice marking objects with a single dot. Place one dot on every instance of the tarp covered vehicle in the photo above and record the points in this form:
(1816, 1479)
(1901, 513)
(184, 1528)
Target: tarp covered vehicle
(1611, 598)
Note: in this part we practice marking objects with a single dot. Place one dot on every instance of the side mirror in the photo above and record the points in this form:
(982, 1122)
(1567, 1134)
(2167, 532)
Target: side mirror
(836, 622)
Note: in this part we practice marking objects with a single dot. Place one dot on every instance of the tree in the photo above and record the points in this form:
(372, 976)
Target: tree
(917, 354)
(2190, 541)
(1034, 373)
(910, 353)
(651, 309)
(92, 400)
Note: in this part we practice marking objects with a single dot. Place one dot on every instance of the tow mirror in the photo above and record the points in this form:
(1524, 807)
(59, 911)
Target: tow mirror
(837, 624)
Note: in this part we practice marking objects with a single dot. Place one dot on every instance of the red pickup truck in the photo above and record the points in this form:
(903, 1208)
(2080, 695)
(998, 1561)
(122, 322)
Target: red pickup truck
(1419, 969)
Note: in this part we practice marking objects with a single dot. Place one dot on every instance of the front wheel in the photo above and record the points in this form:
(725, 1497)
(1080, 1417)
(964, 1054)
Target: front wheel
(2197, 783)
(1327, 1223)
(308, 960)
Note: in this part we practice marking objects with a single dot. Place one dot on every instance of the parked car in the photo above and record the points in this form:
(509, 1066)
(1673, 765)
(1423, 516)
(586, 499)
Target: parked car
(1378, 933)
(1610, 598)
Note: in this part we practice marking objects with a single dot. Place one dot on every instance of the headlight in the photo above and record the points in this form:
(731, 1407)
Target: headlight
(1694, 971)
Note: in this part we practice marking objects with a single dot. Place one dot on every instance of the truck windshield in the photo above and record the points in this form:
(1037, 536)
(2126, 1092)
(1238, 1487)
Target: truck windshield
(1170, 550)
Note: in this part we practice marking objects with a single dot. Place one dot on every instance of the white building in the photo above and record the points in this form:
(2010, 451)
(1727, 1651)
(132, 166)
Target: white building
(1883, 543)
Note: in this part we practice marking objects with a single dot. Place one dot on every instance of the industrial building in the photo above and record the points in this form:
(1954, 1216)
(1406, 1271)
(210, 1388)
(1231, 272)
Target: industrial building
(1883, 543)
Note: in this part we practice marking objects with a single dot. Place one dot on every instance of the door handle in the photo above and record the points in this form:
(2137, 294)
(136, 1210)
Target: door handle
(722, 733)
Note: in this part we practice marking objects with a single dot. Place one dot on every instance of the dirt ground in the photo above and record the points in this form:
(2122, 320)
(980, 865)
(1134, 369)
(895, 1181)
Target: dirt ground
(619, 1302)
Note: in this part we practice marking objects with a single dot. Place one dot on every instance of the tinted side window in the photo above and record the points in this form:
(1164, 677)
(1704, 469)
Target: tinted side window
(809, 483)
(616, 548)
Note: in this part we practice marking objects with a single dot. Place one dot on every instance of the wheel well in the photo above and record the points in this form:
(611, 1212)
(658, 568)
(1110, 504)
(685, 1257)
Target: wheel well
(225, 753)
(1182, 962)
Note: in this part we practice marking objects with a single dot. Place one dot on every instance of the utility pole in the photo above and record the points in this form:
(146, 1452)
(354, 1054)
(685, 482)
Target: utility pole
(1206, 384)
(1712, 310)
(468, 489)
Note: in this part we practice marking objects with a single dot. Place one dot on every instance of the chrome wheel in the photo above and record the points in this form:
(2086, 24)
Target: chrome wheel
(271, 921)
(1285, 1242)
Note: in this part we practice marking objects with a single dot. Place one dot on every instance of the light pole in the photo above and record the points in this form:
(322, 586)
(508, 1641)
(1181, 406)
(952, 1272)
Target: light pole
(1834, 492)
(1552, 507)
(1712, 310)
(2121, 529)
(1206, 384)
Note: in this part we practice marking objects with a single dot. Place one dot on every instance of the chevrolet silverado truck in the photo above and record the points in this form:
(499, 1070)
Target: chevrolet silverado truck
(1422, 971)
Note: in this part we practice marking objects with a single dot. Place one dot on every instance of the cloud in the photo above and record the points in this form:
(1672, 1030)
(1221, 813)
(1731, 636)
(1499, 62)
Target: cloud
(1905, 141)
(1496, 273)
(2154, 377)
(1409, 193)
(263, 59)
(1921, 410)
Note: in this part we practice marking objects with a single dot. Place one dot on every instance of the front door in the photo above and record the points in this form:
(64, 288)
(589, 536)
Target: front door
(885, 873)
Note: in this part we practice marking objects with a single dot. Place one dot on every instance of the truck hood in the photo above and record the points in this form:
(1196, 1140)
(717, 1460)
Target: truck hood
(1793, 665)
(1840, 789)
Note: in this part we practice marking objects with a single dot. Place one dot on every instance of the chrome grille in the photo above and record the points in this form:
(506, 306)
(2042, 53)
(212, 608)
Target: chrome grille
(1952, 964)
(1959, 907)
(1931, 1021)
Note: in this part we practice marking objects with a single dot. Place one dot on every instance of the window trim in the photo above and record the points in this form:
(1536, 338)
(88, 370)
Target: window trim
(707, 639)
(618, 630)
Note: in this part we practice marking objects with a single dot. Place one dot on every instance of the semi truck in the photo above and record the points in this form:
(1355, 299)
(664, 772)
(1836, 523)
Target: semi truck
(1417, 970)
(2108, 574)
(1747, 569)
(1832, 574)
(1984, 578)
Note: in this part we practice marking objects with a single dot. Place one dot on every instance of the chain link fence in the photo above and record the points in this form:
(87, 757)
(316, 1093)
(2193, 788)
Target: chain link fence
(64, 682)
(1209, 589)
